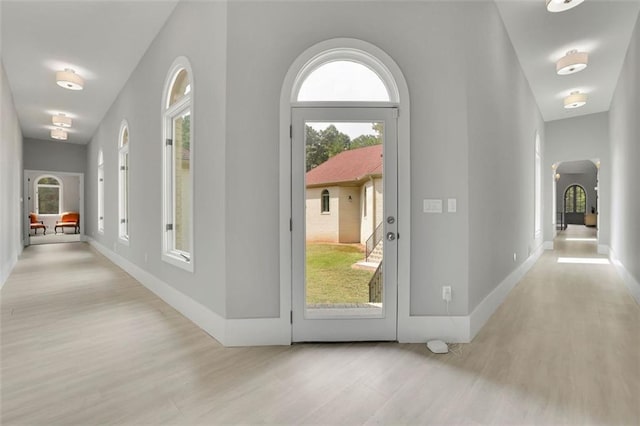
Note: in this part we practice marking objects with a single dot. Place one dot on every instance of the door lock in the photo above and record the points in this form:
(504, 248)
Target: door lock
(391, 220)
(391, 236)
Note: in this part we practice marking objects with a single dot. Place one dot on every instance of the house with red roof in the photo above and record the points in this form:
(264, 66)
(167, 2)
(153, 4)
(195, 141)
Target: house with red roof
(344, 196)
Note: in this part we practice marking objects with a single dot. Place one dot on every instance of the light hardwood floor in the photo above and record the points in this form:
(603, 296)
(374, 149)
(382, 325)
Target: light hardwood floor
(85, 344)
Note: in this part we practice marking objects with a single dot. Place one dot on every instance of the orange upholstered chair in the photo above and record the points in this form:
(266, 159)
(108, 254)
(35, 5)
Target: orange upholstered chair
(36, 224)
(68, 220)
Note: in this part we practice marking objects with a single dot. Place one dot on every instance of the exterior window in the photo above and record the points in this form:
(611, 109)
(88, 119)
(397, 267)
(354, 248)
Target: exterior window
(343, 80)
(48, 197)
(538, 187)
(100, 192)
(123, 182)
(575, 200)
(325, 201)
(178, 166)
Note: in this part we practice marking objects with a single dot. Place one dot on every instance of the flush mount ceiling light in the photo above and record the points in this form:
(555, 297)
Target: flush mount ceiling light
(59, 134)
(61, 120)
(575, 100)
(572, 62)
(69, 79)
(562, 5)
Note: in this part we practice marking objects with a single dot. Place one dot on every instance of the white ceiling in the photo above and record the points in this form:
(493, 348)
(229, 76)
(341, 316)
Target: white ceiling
(602, 28)
(102, 40)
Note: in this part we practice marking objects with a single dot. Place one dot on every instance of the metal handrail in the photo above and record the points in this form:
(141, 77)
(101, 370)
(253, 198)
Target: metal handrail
(375, 286)
(373, 240)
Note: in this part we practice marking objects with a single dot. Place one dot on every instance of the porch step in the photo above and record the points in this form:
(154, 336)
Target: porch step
(376, 254)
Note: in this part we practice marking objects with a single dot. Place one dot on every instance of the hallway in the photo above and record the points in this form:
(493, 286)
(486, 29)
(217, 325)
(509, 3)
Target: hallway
(84, 344)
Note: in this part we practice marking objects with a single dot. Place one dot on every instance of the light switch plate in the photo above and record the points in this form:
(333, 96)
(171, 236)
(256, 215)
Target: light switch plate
(432, 206)
(452, 205)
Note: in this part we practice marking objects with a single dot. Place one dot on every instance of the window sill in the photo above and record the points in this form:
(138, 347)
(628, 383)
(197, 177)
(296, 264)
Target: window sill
(179, 261)
(325, 213)
(124, 241)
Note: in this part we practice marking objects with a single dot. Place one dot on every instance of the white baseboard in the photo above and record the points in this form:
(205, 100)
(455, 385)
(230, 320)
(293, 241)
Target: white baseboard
(604, 249)
(229, 332)
(462, 329)
(548, 245)
(489, 304)
(632, 284)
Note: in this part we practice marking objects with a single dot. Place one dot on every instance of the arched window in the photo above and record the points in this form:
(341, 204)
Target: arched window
(538, 187)
(325, 201)
(575, 200)
(100, 192)
(177, 119)
(123, 182)
(345, 75)
(48, 199)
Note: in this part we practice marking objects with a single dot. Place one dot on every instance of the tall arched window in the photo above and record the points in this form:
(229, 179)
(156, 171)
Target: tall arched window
(100, 192)
(325, 201)
(48, 195)
(537, 229)
(177, 119)
(123, 182)
(575, 200)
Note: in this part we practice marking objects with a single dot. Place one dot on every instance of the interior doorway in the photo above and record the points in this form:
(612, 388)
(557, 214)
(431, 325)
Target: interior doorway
(54, 207)
(576, 193)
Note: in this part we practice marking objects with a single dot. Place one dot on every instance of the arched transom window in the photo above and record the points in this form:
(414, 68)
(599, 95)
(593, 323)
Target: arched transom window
(345, 75)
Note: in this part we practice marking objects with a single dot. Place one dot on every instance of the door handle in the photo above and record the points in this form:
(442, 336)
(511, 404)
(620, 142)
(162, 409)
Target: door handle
(391, 236)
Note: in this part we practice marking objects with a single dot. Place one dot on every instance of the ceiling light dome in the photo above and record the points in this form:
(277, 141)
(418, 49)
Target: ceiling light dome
(69, 79)
(59, 134)
(562, 5)
(575, 100)
(61, 120)
(572, 62)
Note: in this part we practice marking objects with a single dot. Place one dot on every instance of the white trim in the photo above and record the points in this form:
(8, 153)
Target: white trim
(604, 249)
(548, 245)
(632, 284)
(229, 332)
(404, 171)
(462, 329)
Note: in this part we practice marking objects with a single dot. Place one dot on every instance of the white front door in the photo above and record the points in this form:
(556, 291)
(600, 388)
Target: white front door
(344, 224)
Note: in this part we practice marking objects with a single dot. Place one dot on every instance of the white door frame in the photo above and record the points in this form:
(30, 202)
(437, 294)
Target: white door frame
(287, 96)
(26, 228)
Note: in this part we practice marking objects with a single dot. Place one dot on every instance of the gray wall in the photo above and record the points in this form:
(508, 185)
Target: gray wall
(458, 112)
(54, 156)
(579, 138)
(625, 157)
(196, 30)
(10, 181)
(503, 119)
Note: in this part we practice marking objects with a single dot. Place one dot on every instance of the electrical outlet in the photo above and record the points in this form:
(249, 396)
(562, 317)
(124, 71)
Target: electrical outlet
(446, 293)
(515, 256)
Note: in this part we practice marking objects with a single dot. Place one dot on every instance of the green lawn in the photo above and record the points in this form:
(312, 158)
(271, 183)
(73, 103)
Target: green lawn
(330, 278)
